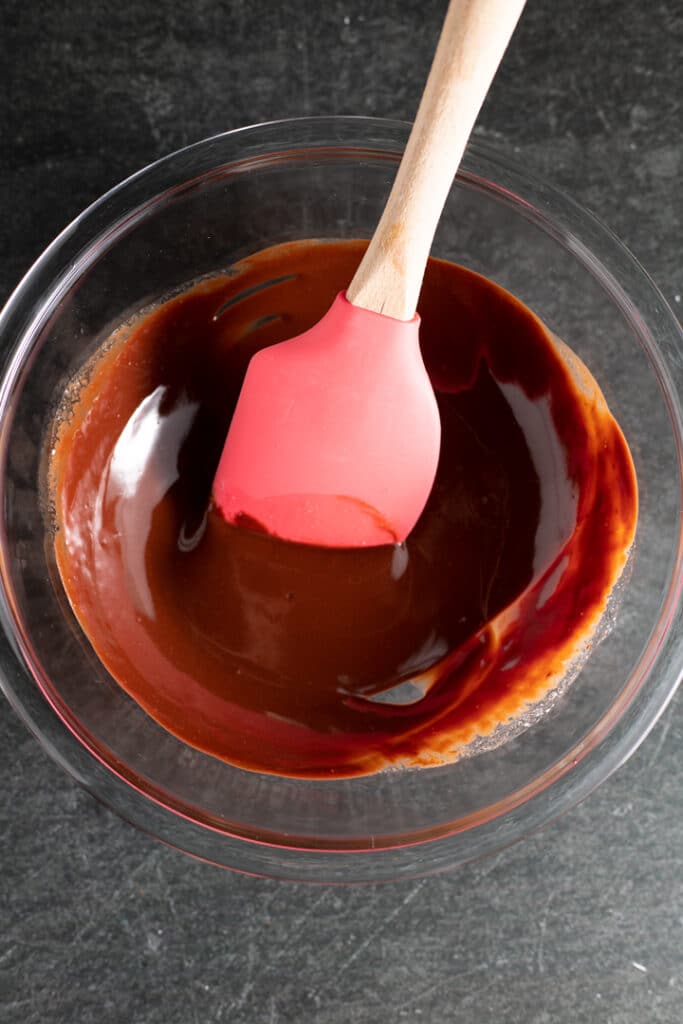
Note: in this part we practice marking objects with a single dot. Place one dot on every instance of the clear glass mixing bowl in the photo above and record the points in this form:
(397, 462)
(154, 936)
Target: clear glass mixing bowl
(195, 213)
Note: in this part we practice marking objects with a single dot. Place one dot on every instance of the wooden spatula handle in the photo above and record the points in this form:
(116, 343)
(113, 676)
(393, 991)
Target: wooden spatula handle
(473, 40)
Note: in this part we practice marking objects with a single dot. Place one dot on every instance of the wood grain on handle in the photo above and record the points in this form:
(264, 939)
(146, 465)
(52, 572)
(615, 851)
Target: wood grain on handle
(473, 40)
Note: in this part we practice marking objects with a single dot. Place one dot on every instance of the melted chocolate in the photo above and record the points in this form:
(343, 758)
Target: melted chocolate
(308, 661)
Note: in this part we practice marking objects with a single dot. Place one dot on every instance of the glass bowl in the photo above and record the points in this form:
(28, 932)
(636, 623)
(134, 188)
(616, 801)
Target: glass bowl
(194, 214)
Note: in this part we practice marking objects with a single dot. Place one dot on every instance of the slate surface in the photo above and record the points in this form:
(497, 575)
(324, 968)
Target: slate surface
(584, 922)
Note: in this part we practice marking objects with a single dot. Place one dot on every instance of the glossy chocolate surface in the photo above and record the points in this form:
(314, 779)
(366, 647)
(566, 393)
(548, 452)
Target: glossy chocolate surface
(307, 661)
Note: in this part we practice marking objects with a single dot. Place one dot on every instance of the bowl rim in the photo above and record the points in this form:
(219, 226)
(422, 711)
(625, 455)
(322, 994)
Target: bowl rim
(613, 265)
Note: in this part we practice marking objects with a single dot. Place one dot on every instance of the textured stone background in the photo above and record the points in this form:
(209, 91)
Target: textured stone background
(583, 923)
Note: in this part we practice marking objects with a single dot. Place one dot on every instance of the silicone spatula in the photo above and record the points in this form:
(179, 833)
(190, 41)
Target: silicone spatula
(335, 437)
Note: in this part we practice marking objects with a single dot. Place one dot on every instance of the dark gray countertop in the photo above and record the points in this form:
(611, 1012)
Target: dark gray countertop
(582, 923)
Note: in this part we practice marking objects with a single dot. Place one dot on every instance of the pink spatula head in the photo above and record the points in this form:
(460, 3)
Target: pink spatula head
(335, 439)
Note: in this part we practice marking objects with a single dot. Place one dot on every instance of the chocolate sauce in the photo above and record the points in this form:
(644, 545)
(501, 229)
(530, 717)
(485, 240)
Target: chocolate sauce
(308, 661)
